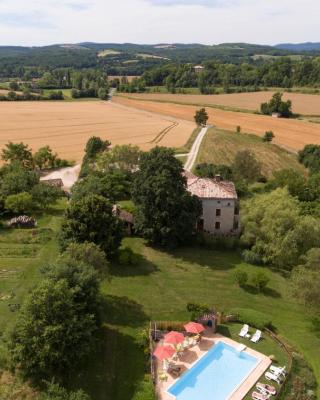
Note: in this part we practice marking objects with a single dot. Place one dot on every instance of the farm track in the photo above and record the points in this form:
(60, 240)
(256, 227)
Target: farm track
(162, 134)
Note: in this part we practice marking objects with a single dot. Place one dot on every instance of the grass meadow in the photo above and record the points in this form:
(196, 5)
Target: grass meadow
(220, 147)
(158, 288)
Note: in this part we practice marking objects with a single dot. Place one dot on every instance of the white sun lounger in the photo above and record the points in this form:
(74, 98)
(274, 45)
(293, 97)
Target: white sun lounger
(272, 377)
(279, 371)
(256, 337)
(259, 396)
(244, 331)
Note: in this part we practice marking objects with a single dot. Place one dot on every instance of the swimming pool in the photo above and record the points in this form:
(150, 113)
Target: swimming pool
(215, 376)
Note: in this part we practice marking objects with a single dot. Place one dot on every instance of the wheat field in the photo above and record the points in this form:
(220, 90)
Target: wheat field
(290, 133)
(66, 126)
(305, 104)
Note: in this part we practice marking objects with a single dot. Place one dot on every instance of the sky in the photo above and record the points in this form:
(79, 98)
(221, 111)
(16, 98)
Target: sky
(42, 22)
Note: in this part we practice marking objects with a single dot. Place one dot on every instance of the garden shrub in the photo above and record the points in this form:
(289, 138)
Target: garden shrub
(252, 317)
(251, 257)
(240, 276)
(260, 280)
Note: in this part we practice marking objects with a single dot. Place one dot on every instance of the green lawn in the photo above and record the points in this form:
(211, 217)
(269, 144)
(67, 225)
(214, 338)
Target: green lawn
(159, 288)
(220, 147)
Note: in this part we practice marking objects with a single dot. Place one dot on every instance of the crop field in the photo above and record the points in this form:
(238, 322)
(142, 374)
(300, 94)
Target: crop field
(220, 147)
(292, 134)
(66, 126)
(306, 104)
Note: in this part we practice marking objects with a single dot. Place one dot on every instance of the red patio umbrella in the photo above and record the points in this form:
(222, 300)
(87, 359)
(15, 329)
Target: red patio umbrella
(174, 337)
(194, 327)
(164, 352)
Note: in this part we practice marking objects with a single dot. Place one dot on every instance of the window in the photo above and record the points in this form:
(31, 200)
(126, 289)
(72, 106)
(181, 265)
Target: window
(229, 204)
(218, 212)
(217, 225)
(236, 225)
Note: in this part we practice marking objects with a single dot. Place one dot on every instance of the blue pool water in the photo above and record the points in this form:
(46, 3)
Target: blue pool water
(215, 376)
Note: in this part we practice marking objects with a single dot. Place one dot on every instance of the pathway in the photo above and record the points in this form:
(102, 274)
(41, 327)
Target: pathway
(192, 156)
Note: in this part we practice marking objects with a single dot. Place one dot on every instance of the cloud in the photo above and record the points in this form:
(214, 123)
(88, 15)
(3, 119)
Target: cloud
(204, 3)
(32, 20)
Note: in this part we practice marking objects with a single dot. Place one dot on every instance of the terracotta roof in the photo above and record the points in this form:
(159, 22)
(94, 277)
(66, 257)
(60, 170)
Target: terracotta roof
(206, 188)
(123, 215)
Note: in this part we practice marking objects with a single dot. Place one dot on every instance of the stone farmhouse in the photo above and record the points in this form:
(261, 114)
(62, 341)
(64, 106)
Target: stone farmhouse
(219, 204)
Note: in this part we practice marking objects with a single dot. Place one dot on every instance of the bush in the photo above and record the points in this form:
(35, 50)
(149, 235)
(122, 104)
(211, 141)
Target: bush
(260, 280)
(197, 310)
(19, 203)
(268, 136)
(252, 317)
(145, 390)
(240, 276)
(128, 257)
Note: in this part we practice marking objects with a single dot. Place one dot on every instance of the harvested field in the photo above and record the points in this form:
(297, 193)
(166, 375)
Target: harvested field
(306, 104)
(290, 133)
(220, 147)
(66, 126)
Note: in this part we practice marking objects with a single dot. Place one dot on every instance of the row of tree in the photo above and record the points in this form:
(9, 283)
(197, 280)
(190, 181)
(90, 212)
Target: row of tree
(283, 72)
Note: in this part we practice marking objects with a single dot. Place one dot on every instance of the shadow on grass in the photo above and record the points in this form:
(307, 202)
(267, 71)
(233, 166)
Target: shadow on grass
(113, 370)
(266, 291)
(122, 311)
(213, 259)
(141, 267)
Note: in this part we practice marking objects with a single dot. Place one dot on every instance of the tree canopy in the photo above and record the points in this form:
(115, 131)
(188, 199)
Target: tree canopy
(90, 219)
(275, 231)
(276, 105)
(166, 211)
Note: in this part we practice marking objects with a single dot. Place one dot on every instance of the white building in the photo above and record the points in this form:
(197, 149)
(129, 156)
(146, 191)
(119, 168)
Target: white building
(220, 211)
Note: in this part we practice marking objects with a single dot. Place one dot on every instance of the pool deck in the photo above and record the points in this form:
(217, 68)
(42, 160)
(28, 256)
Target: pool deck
(192, 355)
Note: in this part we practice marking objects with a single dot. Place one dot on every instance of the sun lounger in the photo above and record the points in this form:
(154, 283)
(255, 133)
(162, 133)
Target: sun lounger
(256, 337)
(244, 331)
(259, 396)
(273, 377)
(266, 389)
(279, 371)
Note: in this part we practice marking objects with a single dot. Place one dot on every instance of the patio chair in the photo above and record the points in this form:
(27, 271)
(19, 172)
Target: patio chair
(244, 331)
(266, 389)
(272, 377)
(279, 371)
(256, 336)
(259, 396)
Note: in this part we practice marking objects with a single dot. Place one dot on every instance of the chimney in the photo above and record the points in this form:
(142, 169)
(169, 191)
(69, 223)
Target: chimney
(218, 178)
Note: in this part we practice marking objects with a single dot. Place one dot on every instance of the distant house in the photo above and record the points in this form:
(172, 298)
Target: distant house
(220, 211)
(198, 68)
(276, 115)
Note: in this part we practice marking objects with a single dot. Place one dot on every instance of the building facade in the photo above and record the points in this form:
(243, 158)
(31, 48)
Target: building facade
(220, 210)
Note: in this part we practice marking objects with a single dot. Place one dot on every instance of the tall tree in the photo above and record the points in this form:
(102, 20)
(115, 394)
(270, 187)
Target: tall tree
(90, 219)
(166, 211)
(53, 332)
(201, 117)
(17, 152)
